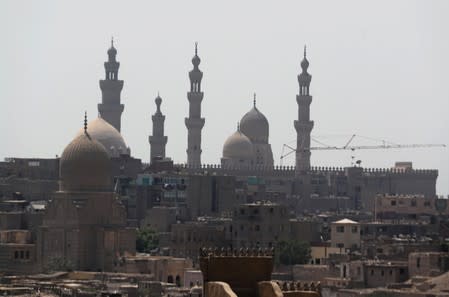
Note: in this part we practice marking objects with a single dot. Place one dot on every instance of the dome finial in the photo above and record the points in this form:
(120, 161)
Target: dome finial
(196, 48)
(254, 99)
(112, 41)
(238, 126)
(158, 101)
(305, 51)
(85, 122)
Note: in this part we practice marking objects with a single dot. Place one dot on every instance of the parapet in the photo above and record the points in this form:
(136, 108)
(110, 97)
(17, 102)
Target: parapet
(287, 171)
(242, 268)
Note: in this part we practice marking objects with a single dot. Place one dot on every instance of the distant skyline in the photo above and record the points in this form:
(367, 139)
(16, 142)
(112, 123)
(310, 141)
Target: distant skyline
(379, 69)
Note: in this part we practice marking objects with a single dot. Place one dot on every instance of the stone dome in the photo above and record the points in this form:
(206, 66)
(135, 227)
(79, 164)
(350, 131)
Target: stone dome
(255, 125)
(85, 166)
(108, 136)
(238, 146)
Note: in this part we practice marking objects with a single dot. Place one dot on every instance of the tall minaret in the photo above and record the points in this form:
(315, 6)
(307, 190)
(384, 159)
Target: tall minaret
(157, 140)
(110, 108)
(303, 125)
(194, 122)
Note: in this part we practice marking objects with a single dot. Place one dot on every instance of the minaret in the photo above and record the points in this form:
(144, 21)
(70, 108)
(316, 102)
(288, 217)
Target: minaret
(303, 125)
(157, 140)
(194, 122)
(110, 108)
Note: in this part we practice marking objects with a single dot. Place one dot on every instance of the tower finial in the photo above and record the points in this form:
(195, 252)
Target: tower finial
(85, 122)
(305, 51)
(196, 48)
(112, 41)
(254, 99)
(238, 126)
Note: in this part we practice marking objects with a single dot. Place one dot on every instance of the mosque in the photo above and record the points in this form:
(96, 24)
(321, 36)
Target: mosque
(247, 152)
(248, 147)
(91, 226)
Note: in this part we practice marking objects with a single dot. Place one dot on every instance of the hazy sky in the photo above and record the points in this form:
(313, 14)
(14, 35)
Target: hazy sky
(379, 69)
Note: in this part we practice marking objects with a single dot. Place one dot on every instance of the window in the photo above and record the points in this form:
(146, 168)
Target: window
(418, 262)
(354, 229)
(340, 229)
(16, 255)
(372, 271)
(27, 254)
(340, 245)
(382, 273)
(393, 202)
(33, 164)
(426, 203)
(401, 271)
(257, 228)
(413, 203)
(242, 211)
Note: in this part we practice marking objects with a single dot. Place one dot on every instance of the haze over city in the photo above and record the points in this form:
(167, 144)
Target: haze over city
(379, 69)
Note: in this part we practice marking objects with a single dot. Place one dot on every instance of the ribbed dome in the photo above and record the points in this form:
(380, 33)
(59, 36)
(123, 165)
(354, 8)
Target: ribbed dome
(85, 166)
(238, 146)
(255, 125)
(108, 136)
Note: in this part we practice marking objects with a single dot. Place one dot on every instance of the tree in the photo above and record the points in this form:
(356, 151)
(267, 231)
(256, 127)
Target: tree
(293, 252)
(146, 240)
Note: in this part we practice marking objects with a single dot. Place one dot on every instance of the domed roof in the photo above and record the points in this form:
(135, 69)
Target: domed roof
(255, 125)
(238, 146)
(85, 166)
(108, 136)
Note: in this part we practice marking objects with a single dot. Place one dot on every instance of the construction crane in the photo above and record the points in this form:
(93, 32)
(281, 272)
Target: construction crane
(347, 146)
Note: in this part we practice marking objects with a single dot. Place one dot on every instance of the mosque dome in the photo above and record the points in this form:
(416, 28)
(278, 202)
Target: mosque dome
(238, 146)
(108, 136)
(85, 166)
(255, 125)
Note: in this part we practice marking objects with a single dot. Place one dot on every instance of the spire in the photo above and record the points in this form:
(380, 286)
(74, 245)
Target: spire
(254, 100)
(305, 62)
(85, 123)
(238, 126)
(110, 108)
(158, 101)
(196, 60)
(112, 52)
(157, 140)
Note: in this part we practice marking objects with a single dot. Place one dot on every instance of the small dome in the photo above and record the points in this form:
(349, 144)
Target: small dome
(108, 136)
(238, 146)
(85, 166)
(158, 100)
(196, 60)
(255, 125)
(112, 51)
(304, 64)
